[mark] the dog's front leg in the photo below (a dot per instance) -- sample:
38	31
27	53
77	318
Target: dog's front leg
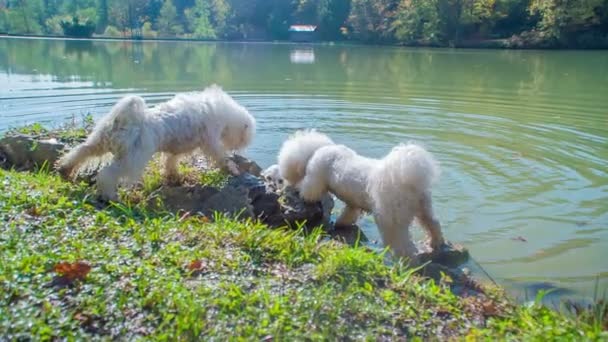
429	222
222	161
107	181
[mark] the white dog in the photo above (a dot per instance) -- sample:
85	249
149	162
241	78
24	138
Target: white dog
272	177
395	189
209	120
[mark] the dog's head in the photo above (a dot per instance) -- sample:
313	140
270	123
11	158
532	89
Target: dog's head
240	125
247	131
272	177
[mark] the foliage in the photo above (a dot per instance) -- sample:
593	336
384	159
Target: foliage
112	31
147	30
102	15
167	20
370	20
53	25
541	23
417	20
199	23
76	29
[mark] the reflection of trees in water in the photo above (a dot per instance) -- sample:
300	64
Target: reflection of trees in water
187	65
78	47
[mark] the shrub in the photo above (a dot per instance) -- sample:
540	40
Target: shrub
147	31
112	31
76	29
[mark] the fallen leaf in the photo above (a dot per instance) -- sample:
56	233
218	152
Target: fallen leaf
68	273
196	267
489	308
83	318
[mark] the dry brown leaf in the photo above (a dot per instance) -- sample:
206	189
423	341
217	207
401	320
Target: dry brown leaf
72	271
197	266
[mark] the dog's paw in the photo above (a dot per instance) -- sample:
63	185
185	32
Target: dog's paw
107	197
173	180
64	172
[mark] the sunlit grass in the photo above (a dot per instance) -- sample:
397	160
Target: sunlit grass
161	276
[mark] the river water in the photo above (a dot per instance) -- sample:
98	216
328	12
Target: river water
522	136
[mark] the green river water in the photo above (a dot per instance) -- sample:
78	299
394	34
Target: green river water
522	136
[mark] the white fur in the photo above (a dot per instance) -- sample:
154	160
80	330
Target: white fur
209	120
395	189
272	176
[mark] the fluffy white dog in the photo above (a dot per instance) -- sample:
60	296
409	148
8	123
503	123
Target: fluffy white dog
395	189
209	121
272	177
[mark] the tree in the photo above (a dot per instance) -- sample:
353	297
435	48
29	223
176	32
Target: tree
220	12
25	16
167	20
198	20
75	28
417	21
102	15
371	19
332	15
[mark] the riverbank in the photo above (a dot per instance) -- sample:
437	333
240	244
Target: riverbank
73	267
526	41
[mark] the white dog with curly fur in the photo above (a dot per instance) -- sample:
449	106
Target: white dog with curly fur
395	189
209	121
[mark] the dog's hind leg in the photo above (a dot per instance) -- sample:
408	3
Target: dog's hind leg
429	222
349	216
396	234
171	173
127	167
69	162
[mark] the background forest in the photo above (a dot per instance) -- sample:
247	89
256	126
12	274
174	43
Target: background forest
515	23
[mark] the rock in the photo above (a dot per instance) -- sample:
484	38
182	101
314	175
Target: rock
246	165
230	201
450	255
268	209
25	153
191	199
254	185
206	200
280	208
350	235
294	209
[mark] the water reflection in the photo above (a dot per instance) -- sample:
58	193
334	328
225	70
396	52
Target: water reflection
302	56
521	135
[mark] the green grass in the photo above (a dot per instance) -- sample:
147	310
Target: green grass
70	132
163	277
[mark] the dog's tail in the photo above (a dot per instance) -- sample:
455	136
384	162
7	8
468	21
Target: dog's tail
409	165
127	111
297	151
124	116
